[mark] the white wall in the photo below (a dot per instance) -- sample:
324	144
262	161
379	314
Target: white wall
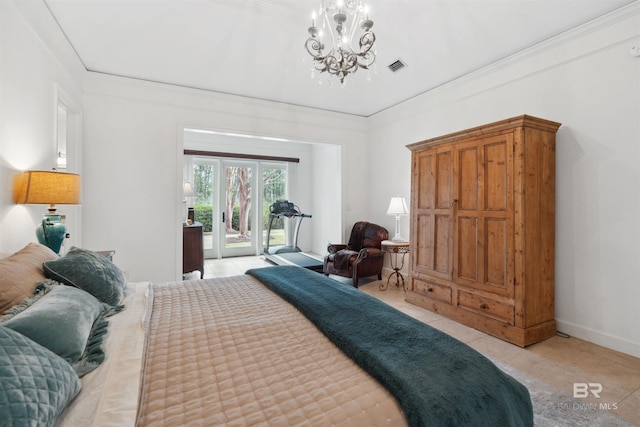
329	219
133	161
588	81
36	68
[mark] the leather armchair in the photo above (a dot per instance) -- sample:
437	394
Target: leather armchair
361	257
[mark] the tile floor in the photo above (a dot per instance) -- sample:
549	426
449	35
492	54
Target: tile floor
558	361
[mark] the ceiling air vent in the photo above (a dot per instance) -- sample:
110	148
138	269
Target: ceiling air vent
397	65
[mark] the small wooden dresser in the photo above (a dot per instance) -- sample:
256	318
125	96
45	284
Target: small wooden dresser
192	249
482	237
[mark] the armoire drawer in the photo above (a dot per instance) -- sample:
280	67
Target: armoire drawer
486	306
433	290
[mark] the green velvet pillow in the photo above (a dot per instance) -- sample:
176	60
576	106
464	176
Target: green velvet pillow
60	321
90	272
35	384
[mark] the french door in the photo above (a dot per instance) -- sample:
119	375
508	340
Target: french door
232	203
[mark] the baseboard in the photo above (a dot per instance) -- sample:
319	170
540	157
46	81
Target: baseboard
605	340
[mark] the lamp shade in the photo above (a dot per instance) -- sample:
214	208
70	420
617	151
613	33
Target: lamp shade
187	190
47	187
397	206
51	188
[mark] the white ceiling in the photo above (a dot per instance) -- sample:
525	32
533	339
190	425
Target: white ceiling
255	48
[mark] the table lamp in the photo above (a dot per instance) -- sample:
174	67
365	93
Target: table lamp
397	207
187	192
52	188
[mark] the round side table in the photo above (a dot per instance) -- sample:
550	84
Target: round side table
395	250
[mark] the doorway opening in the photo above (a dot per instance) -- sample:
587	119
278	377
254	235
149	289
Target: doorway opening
281	169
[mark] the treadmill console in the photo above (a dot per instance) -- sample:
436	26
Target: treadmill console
281	207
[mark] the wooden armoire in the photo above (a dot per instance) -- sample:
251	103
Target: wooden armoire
482	228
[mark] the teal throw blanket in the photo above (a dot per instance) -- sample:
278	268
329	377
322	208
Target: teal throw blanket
437	380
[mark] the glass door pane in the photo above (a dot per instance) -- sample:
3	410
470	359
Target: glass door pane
237	221
206	185
274	187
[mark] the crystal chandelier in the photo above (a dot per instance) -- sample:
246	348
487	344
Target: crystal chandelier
341	18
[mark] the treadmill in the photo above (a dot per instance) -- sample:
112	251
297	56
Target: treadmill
289	253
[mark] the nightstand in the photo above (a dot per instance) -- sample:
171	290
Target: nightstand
395	250
192	249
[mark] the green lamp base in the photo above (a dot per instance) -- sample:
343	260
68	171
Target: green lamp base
52	232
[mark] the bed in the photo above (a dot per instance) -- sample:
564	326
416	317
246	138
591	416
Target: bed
281	346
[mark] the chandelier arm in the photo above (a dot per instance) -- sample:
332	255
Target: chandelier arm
365	61
332	63
314	47
319	65
351	61
366	42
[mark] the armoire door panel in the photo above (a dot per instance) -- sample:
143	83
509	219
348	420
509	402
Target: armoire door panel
424	255
433	251
468	179
425	196
495	176
467	249
443	180
442	242
496	245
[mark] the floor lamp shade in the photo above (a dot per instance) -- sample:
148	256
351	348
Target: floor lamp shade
50	188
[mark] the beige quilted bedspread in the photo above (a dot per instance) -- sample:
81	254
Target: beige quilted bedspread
230	352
